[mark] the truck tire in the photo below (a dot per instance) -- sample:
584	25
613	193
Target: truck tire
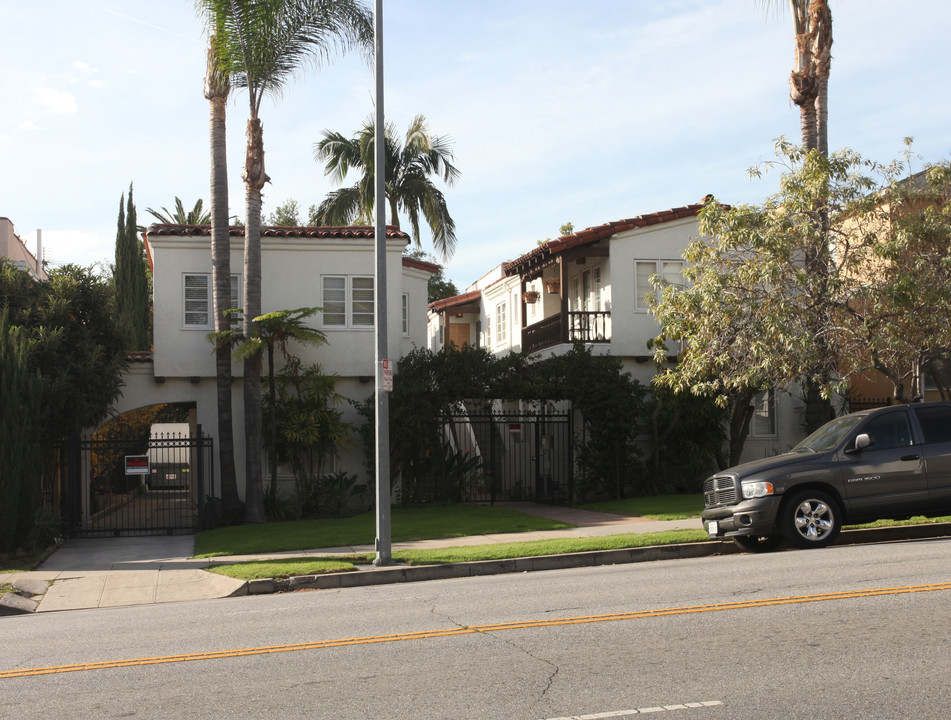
810	519
758	543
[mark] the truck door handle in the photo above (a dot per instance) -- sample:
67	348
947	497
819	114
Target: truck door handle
909	457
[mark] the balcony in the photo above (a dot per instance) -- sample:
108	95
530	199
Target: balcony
586	326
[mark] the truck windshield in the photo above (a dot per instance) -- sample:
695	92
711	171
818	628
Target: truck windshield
829	435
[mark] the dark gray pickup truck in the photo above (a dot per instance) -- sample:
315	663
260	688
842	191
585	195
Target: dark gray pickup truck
892	462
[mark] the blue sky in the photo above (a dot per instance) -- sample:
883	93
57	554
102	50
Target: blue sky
558	110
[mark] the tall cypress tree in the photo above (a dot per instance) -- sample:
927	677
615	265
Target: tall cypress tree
131	279
21	389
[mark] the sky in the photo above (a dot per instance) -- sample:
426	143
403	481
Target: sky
558	111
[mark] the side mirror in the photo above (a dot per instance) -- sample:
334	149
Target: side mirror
862	441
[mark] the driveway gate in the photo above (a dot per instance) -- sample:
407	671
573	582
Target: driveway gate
135	487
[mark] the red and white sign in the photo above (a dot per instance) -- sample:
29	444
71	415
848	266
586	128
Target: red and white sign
386	376
136	464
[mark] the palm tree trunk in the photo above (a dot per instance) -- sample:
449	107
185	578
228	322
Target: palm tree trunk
254	178
216	91
820	26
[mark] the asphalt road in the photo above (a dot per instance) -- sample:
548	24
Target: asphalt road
847	632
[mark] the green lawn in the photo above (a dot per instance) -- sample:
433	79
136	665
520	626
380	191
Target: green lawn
657	507
501	551
418	523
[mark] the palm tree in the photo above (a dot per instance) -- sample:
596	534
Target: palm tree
216	88
409	165
195	216
809	80
277	329
261	44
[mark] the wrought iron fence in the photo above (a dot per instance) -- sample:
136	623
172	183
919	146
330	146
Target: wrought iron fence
164	485
498	457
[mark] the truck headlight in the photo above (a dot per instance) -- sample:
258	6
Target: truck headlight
756	489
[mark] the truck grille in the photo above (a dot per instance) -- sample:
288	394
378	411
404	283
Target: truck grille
719	490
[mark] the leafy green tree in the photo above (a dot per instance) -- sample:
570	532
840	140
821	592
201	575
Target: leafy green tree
310	429
612	405
21	388
132	279
61	362
754	316
276	331
439	286
410	163
261	44
196	216
286	215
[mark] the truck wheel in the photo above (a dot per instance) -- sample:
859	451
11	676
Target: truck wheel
810	519
758	543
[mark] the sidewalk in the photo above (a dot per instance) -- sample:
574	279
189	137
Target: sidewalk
113	572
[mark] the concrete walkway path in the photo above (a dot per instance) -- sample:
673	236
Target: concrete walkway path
113	572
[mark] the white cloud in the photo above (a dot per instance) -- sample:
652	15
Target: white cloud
56	101
84	68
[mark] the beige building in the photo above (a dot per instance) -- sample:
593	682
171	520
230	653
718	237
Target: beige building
12	247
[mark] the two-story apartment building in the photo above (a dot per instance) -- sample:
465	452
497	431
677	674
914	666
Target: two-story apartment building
328	267
593	286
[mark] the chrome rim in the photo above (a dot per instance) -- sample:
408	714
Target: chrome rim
814	520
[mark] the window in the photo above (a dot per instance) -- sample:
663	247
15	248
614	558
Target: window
591	291
763	422
348	301
501	325
890	430
936	422
405	314
671	271
488	331
198	301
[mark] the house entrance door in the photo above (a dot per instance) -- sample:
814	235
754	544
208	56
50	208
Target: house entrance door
459	334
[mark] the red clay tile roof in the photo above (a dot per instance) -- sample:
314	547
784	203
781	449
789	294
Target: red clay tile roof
455	301
351	231
420	265
538	257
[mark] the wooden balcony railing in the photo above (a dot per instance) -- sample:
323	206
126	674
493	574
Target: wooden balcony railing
583	326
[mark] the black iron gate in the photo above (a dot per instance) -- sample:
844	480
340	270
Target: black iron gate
164	485
514	456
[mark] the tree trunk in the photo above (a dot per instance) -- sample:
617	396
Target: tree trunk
254	178
820	26
216	91
740	417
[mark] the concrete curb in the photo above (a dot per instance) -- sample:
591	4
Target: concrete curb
420	573
25	598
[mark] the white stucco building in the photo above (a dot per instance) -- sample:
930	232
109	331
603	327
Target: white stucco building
591	286
331	268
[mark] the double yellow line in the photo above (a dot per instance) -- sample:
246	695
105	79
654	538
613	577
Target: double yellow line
498	627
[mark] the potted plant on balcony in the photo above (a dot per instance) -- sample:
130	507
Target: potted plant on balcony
552	285
531	296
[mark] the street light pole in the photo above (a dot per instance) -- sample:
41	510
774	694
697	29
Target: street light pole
383	533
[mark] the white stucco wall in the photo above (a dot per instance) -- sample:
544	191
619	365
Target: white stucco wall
291	270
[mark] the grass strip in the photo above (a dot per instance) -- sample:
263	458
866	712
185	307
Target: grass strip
286	567
655	507
289	567
414	523
561	546
917	520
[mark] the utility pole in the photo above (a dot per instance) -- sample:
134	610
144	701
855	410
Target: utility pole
383	533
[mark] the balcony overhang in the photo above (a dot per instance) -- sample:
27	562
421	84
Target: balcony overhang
469	302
